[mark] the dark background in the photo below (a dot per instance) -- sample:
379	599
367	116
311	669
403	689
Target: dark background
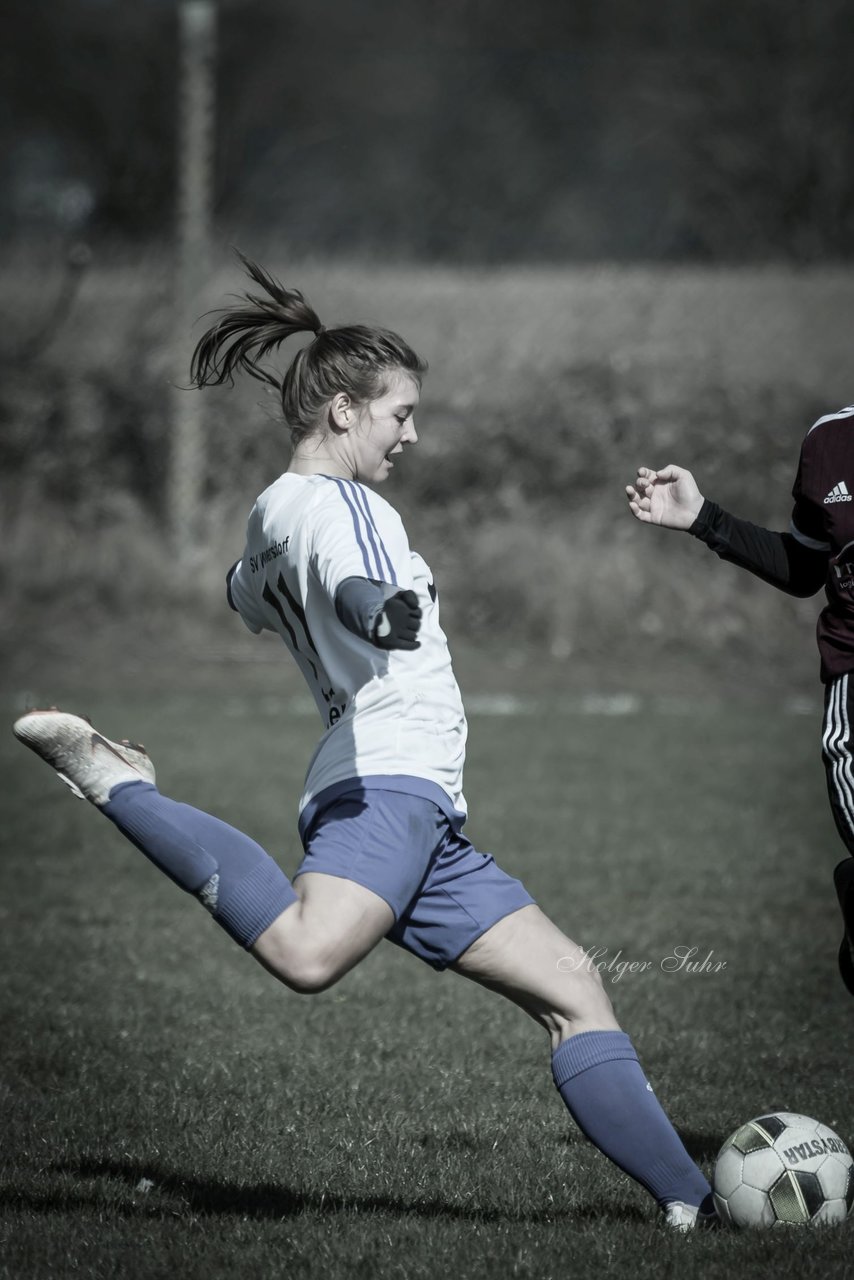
459	130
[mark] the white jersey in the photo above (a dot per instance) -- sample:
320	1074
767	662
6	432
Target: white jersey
388	714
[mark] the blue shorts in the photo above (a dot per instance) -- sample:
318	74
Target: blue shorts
407	850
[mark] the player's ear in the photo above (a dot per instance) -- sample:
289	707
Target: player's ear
341	411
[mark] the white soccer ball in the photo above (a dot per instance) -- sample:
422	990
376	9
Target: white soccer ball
783	1169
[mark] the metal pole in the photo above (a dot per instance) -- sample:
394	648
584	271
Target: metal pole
197	24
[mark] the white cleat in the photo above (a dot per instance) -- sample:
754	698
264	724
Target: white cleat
90	764
688	1217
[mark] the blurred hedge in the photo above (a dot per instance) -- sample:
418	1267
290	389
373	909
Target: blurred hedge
546	389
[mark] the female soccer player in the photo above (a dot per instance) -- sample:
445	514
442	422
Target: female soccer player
328	567
818	552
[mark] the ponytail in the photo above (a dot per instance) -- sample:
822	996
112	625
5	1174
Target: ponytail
243	335
353	358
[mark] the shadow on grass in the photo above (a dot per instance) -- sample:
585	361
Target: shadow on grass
701	1146
208	1197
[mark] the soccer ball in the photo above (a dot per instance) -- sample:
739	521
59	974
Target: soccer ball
783	1169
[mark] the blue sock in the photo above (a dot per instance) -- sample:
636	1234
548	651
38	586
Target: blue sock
231	875
601	1082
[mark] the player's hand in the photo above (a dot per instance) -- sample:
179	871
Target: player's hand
399	622
669	497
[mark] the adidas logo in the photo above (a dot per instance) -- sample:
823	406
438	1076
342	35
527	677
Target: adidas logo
839	493
208	895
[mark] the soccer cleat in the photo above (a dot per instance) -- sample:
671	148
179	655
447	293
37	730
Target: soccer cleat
688	1217
843	878
90	764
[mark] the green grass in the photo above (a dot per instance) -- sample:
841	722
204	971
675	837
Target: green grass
404	1124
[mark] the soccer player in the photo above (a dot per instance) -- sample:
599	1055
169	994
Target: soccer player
328	567
818	552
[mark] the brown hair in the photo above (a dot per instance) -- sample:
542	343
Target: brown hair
352	358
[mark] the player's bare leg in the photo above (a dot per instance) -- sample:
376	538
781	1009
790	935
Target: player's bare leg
308	936
526	958
333	925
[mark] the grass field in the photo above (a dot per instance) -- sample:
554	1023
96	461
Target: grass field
168	1110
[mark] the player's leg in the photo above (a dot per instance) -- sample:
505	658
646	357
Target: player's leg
843	879
471	916
526	958
307	937
333	925
839	767
308	934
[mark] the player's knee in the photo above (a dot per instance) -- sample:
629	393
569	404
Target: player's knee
309	980
310	971
301	964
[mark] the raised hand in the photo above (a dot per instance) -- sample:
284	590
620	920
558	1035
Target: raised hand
669	497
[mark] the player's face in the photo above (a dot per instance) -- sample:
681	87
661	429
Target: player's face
383	427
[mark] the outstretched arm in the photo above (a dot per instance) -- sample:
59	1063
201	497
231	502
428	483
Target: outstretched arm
671	498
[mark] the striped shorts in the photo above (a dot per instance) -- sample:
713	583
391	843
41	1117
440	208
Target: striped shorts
837	752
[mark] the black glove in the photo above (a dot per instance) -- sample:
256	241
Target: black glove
398	623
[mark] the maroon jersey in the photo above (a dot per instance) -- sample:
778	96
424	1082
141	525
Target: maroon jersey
823	519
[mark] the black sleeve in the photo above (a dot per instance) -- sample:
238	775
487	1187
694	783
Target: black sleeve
229	597
777	558
385	616
359	603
